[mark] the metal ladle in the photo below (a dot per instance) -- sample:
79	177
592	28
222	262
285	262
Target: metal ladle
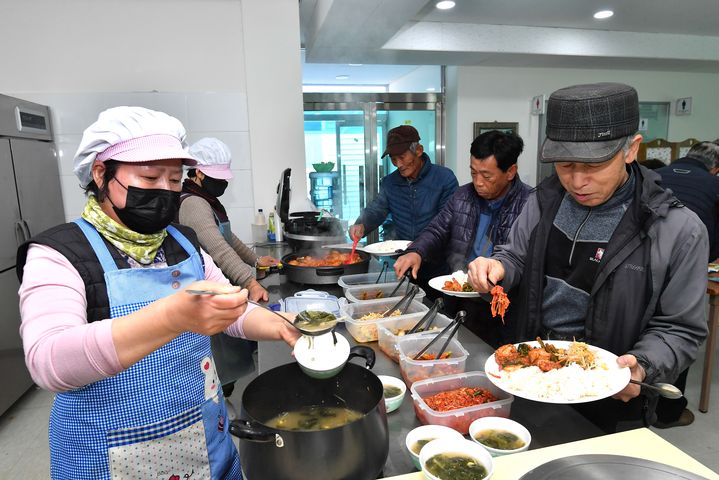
666	390
311	333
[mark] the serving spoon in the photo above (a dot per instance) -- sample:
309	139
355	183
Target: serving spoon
666	390
309	331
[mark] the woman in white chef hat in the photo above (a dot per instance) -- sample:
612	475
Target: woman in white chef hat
107	324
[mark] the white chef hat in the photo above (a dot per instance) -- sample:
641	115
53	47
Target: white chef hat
213	158
130	134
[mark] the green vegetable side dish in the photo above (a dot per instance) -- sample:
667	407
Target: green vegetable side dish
419	444
454	466
499	439
391	391
313	320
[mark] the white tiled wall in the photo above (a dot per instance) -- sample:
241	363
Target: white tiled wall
222	115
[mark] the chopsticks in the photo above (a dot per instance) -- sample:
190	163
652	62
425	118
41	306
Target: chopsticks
454	326
404	302
428	317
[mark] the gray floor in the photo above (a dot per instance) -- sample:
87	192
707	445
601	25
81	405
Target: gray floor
24	450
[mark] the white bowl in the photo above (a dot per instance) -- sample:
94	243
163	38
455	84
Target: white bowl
500	423
393	403
426	432
462	447
324	358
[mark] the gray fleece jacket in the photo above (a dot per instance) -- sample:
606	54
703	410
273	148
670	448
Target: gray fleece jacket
647	295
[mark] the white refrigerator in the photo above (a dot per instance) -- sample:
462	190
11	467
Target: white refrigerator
30	202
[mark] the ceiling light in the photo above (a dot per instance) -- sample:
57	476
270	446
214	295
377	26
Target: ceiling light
445	4
342	77
354	64
602	14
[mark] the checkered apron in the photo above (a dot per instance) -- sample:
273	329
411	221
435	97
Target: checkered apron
162	418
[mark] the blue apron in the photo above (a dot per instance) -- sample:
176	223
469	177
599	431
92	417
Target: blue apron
162	418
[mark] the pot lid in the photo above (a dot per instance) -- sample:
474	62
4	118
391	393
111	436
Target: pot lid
312	300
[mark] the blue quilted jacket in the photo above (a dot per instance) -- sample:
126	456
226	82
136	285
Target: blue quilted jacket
411	203
451	233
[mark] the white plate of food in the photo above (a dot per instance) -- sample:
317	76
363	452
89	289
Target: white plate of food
585	374
388	248
456	284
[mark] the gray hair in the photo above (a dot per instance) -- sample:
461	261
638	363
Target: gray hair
627	144
705	152
413	147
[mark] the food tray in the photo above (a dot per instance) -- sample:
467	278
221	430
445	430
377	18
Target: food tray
355	294
461	418
388	340
366	330
416	370
346	281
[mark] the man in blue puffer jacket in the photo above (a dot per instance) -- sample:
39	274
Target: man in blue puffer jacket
413	194
477	217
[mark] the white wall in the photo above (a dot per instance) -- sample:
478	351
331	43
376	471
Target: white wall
487	94
193	60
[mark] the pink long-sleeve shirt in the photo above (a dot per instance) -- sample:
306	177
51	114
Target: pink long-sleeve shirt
62	351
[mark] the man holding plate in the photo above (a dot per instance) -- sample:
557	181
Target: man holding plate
602	254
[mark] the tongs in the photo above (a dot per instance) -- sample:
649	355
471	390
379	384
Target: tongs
454	326
428	317
385	267
403	303
399	284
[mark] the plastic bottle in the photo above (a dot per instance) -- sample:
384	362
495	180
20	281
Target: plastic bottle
271	227
259	227
279	235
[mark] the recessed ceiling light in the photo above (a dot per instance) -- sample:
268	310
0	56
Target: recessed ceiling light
354	64
445	4
602	14
342	77
431	89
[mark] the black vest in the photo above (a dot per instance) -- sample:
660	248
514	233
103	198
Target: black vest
71	243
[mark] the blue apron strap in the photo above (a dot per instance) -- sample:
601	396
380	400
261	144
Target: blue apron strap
98	245
182	240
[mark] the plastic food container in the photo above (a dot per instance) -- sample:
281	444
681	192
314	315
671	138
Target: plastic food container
461	418
312	300
388	340
364	293
366	330
346	281
416	370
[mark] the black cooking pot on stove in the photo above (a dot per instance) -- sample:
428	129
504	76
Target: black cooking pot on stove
322	275
355	451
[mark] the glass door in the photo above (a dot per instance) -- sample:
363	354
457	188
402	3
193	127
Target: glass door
344	137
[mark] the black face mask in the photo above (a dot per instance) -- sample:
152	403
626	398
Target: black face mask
214	186
148	210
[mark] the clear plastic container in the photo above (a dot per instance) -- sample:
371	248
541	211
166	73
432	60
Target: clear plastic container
363	293
366	330
461	418
346	281
389	332
416	370
313	300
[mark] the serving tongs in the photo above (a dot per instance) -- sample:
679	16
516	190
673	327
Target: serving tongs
383	271
428	317
451	328
403	303
399	284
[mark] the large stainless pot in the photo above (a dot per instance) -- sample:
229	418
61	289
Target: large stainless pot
321	275
356	451
308	230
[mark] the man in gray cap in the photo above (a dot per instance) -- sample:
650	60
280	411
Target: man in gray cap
626	270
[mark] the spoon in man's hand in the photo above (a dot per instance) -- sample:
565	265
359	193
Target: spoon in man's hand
666	390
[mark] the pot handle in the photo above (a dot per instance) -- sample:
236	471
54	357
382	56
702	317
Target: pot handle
254	432
364	352
330	272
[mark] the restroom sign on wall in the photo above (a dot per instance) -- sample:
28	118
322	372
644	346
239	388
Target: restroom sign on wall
683	106
538	105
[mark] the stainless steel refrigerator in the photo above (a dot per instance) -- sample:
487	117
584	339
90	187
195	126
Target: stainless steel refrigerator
30	202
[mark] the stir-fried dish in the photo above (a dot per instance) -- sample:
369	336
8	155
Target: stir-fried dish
313	320
459	398
433	356
455	466
333	259
547	357
500	301
376	315
371	295
454	286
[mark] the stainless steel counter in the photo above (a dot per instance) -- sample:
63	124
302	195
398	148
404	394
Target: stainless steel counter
549	424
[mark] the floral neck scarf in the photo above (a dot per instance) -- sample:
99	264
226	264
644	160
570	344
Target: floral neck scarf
138	246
